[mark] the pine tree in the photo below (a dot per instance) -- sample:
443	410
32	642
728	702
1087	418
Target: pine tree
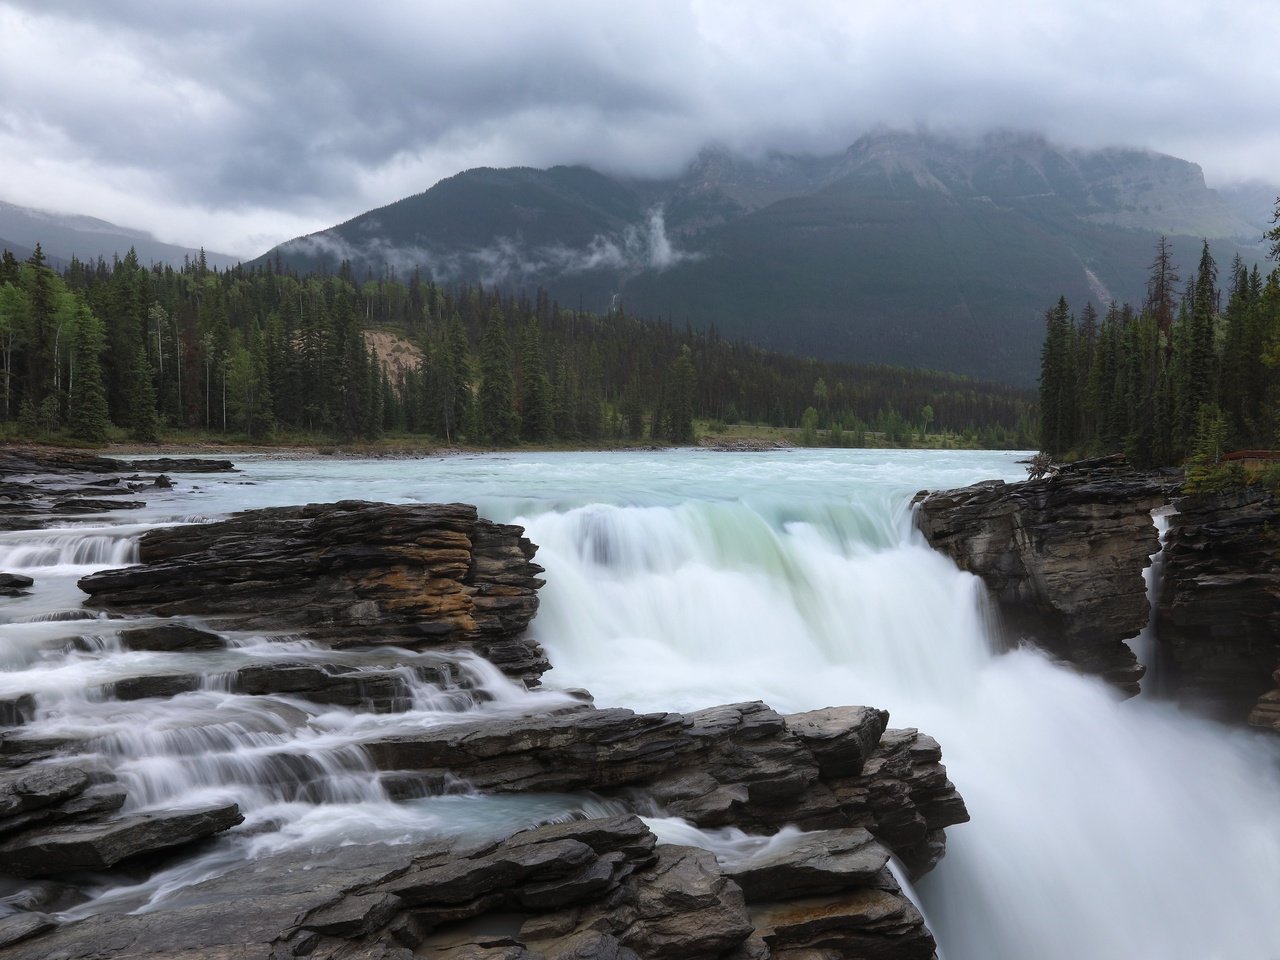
1059	405
536	416
683	384
88	414
498	418
144	421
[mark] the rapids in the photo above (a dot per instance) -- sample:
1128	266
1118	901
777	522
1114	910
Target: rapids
1101	828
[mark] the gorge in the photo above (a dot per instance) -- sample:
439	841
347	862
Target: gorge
676	582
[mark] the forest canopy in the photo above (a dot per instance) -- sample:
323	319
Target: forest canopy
1192	374
260	352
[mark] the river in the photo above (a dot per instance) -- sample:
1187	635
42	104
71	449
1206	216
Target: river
1101	828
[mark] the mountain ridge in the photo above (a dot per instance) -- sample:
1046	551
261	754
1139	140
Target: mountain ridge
62	236
907	248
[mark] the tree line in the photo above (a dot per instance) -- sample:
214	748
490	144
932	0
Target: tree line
260	351
1192	374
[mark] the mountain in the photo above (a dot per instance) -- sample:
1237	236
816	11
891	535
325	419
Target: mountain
62	236
907	249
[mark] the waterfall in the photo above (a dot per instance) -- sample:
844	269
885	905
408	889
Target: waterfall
1101	828
1146	645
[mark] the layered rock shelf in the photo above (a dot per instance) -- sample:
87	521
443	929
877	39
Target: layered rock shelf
38	484
357	609
422	576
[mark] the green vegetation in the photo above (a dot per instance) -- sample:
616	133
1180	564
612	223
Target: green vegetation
108	351
1185	380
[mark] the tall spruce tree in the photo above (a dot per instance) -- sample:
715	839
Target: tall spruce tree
498	418
88	409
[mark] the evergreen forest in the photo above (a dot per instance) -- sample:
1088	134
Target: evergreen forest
1191	375
104	349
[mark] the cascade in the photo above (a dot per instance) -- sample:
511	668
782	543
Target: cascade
1101	828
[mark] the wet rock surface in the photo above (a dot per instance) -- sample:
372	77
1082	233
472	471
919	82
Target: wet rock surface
1062	556
421	576
1219	607
592	888
39	484
375	604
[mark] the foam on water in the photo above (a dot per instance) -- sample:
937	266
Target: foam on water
1101	828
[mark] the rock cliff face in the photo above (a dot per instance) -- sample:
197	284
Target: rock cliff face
1219	611
424	576
1063	556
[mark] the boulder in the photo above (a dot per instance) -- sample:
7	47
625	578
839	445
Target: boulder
1062	556
14	584
817	863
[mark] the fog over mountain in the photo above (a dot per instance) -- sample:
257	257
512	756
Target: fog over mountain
238	125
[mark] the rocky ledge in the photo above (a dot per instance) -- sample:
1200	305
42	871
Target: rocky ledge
407	596
348	574
587	888
38	484
1219	609
1062	556
596	888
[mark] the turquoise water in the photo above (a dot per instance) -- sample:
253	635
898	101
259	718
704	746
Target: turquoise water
1101	828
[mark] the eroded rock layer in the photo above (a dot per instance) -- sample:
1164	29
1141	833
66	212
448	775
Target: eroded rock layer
1219	609
347	574
595	888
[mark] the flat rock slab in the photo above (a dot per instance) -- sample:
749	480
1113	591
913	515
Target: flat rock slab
96	846
170	637
818	863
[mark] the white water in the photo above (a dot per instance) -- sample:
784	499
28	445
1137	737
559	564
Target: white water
1101	829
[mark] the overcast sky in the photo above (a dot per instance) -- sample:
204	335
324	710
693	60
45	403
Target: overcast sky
239	124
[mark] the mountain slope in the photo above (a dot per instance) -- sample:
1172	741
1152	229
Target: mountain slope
62	236
906	249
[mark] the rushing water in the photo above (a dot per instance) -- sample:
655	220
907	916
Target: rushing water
1101	828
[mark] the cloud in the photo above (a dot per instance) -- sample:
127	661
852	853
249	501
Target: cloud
636	248
240	123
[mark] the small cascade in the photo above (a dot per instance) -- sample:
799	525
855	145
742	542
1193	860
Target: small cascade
1146	645
67	552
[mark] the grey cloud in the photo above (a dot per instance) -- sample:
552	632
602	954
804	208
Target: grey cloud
322	110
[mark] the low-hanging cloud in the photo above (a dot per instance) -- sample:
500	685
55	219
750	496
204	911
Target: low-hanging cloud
246	118
636	248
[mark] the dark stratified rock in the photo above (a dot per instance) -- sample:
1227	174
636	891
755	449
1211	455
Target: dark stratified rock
96	846
423	576
869	923
738	764
1063	556
169	637
163	465
813	864
1219	609
14	584
591	888
38	484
